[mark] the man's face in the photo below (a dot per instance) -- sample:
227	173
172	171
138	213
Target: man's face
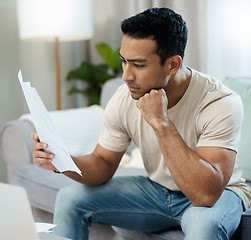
142	70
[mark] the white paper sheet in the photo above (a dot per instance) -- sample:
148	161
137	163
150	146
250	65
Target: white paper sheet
46	129
44	227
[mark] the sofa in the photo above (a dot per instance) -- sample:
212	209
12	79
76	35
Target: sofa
42	186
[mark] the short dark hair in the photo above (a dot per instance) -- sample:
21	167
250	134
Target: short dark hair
164	26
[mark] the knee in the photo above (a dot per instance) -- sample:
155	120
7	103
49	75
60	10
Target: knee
197	224
76	196
65	196
68	214
63	204
68	198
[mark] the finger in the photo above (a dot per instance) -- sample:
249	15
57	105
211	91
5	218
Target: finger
39	146
164	94
42	163
163	91
34	136
154	91
39	161
44	155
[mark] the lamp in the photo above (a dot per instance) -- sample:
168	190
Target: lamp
55	20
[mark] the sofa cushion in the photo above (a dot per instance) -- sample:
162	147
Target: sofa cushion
41	185
175	234
246	225
242	86
81	135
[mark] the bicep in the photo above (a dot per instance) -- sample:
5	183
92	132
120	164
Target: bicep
111	158
221	159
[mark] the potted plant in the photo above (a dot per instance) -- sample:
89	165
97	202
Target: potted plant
95	75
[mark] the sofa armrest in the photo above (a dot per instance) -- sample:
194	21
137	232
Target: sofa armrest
16	144
246	225
108	89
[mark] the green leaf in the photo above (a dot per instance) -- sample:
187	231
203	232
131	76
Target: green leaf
84	71
74	90
107	54
118	68
95	75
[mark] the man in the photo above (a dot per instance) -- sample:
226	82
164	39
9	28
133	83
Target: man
187	127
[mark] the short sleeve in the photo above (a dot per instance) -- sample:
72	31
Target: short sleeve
113	136
219	124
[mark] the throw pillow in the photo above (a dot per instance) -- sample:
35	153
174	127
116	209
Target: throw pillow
242	86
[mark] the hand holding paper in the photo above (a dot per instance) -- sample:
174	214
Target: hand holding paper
46	129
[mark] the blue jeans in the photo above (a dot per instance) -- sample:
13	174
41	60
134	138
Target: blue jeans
137	203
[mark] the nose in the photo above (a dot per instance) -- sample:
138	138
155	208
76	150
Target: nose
128	74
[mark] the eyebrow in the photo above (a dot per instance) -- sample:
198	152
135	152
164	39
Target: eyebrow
134	60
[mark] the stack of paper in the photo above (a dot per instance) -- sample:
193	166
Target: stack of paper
46	129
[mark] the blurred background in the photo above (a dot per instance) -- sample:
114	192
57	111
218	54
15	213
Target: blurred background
219	44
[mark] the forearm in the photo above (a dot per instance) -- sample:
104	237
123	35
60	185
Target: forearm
198	179
95	171
96	168
201	175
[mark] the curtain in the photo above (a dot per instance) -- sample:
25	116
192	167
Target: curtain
228	38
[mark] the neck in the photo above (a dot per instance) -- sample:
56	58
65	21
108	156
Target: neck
177	86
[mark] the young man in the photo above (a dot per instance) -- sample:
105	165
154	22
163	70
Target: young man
187	127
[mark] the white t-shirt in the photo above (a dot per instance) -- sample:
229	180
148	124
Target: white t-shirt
208	114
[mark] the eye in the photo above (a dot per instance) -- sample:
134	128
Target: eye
138	65
122	60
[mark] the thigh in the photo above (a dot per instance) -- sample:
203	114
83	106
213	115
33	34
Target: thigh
217	222
134	203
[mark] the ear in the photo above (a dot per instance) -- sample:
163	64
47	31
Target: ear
173	64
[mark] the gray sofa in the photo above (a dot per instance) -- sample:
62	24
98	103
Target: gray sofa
42	186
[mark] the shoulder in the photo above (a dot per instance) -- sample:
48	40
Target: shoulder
213	93
226	108
220	117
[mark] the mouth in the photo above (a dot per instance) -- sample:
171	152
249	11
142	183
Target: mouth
132	88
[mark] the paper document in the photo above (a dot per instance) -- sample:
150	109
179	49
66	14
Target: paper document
44	227
46	129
